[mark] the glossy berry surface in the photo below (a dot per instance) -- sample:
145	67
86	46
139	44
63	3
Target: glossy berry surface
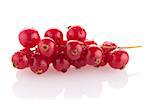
29	38
94	55
47	47
38	64
20	60
55	34
74	49
104	60
118	59
61	49
89	42
76	33
61	63
112	46
81	62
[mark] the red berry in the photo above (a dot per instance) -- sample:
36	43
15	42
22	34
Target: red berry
20	60
79	62
55	34
118	59
89	42
112	46
61	63
104	60
94	55
61	49
29	38
74	49
38	65
47	47
76	33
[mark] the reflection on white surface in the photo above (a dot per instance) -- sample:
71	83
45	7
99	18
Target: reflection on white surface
74	84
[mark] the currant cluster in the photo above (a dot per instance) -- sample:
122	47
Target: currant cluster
38	53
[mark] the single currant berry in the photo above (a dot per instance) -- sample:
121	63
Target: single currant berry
61	63
94	55
108	47
20	60
118	59
104	59
79	62
89	42
29	38
55	34
74	49
47	47
38	64
76	33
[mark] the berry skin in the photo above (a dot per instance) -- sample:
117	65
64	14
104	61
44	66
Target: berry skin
38	64
55	34
118	59
61	63
79	62
74	49
104	60
47	47
76	33
109	44
89	42
29	38
20	60
94	55
61	49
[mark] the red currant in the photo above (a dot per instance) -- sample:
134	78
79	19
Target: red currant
74	49
20	60
29	38
47	47
104	59
112	46
55	34
89	42
79	62
61	63
76	33
38	64
118	59
94	55
61	48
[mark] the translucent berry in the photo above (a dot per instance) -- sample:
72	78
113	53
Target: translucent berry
55	34
38	64
76	33
61	63
79	62
104	59
89	42
108	46
29	38
74	49
118	59
20	60
94	55
47	47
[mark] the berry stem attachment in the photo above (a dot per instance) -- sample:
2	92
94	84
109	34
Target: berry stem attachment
126	47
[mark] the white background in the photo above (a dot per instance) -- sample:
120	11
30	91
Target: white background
125	22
